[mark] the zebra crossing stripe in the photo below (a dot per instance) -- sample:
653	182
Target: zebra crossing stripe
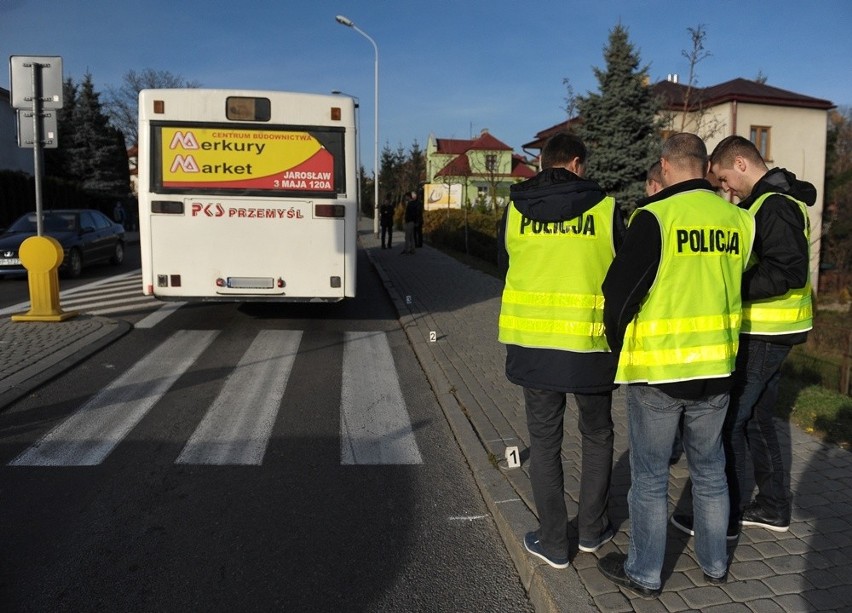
93	431
237	427
374	424
159	315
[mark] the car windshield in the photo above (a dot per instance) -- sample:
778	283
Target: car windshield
53	222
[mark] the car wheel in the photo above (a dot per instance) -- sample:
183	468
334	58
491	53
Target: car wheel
118	255
75	264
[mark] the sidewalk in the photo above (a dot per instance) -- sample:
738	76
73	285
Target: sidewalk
808	568
32	353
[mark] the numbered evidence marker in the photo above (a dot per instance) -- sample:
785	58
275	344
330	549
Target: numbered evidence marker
408	300
513	457
433	336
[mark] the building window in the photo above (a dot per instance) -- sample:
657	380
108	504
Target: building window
759	135
491	162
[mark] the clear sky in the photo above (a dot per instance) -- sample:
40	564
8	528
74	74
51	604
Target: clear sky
446	67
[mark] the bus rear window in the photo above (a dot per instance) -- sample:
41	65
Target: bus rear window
241	108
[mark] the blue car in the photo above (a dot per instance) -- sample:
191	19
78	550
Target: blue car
87	237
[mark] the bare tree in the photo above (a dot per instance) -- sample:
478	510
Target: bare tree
694	56
122	103
692	108
570	107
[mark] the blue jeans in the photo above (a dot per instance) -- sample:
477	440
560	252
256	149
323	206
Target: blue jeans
750	429
545	417
653	418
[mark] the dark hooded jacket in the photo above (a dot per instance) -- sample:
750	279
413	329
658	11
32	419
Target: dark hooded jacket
780	243
554	195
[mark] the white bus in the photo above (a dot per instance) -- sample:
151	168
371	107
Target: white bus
247	195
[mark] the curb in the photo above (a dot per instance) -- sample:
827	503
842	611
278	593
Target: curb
41	371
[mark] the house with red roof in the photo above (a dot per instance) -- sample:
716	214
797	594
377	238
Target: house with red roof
788	128
470	172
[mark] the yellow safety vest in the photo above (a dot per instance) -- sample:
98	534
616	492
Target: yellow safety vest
688	325
552	298
787	314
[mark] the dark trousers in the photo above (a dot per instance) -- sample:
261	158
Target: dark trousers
545	416
418	234
749	432
389	231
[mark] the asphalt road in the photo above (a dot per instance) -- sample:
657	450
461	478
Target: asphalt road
347	507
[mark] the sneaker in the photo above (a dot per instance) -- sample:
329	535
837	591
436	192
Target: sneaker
593	545
684	524
612	567
755	515
533	545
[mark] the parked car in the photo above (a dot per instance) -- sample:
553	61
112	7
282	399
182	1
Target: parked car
87	237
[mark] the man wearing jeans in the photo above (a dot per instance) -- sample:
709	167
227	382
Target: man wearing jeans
560	233
777	314
672	304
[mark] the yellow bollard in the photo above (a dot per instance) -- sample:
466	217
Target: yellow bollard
41	256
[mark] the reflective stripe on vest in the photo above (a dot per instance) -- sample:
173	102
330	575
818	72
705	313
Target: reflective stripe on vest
787	314
688	325
552	298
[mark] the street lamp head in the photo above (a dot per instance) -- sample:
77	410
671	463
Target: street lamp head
344	21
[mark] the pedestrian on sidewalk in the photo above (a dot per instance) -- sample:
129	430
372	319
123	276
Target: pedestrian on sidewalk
412	211
418	221
386	212
559	235
679	349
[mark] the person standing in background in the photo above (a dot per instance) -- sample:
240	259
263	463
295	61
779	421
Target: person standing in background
386	212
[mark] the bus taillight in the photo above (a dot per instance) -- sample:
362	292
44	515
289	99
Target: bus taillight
329	210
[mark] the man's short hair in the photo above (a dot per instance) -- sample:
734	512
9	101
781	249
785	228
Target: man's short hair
685	150
655	173
561	149
731	147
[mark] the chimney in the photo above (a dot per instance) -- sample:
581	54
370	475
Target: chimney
672	78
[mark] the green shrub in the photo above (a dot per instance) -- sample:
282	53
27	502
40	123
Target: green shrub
447	228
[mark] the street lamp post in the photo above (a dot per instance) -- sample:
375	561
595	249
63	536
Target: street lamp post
349	24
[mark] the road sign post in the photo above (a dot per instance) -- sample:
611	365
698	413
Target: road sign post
37	95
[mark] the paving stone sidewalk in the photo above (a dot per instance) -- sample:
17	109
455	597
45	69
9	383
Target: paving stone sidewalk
449	312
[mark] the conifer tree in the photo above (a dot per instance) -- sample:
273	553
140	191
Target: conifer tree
618	123
96	153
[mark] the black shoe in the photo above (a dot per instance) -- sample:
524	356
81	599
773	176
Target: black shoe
533	545
755	515
612	567
716	580
684	524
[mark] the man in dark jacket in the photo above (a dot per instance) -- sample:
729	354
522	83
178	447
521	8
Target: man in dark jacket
558	237
412	214
777	314
673	311
386	212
